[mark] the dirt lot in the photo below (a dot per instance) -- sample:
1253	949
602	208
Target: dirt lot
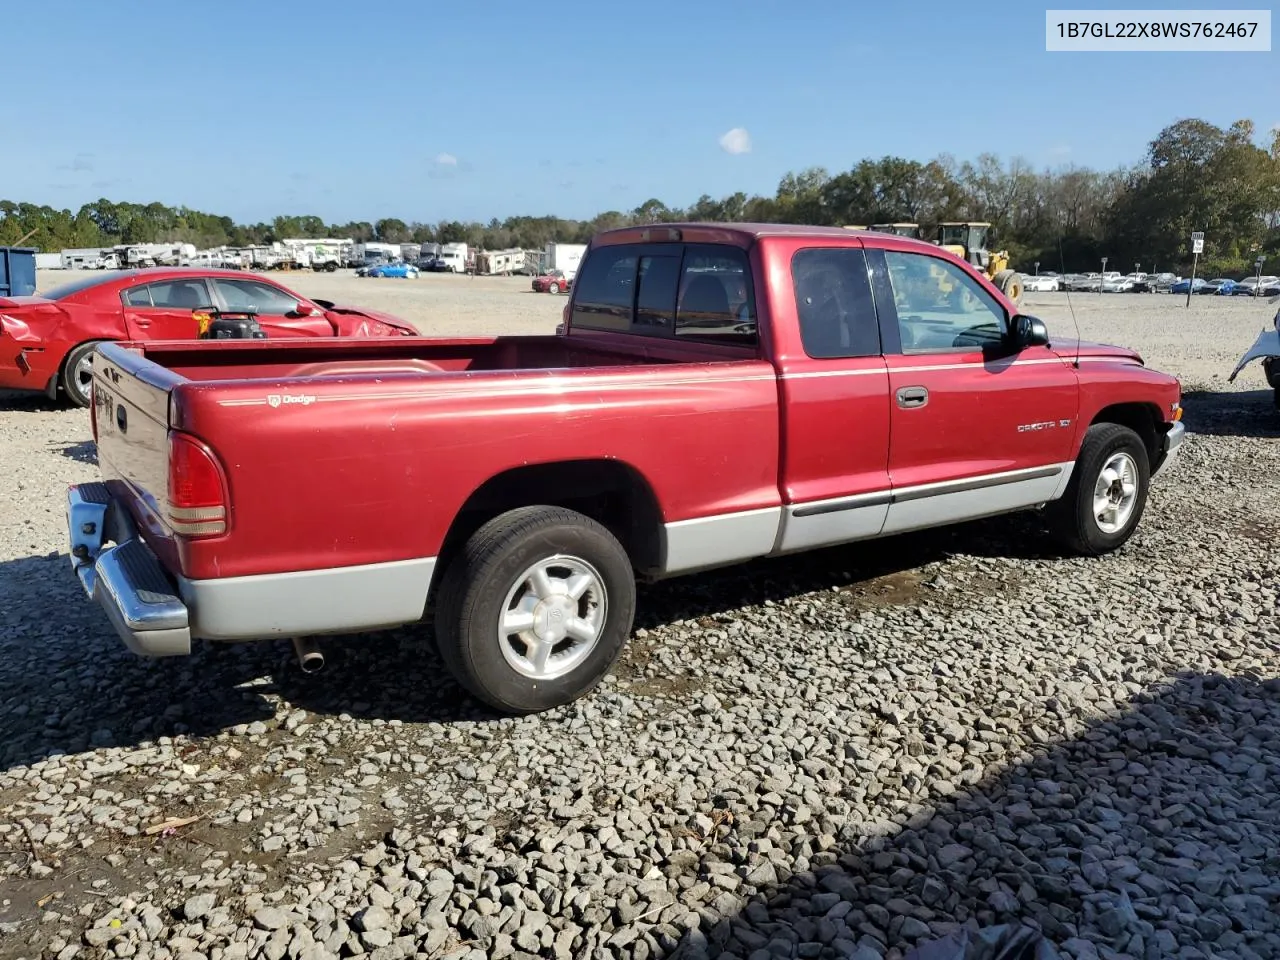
836	755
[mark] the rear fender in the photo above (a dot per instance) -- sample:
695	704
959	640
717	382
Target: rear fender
1267	345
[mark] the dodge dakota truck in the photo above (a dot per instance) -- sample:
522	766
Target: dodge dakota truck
717	393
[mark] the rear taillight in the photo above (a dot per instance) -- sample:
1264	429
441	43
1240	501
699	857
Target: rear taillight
197	500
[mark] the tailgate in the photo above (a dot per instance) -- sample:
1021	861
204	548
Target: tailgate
131	426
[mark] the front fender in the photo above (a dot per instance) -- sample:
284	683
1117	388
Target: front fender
1267	345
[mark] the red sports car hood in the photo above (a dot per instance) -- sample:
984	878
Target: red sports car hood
359	322
1070	349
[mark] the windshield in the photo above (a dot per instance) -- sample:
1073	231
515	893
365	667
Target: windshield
75	286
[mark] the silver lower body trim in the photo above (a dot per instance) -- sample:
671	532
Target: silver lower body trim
309	602
732	538
715	541
158	615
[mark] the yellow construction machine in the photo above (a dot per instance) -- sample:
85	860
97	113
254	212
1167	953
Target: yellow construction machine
969	242
911	230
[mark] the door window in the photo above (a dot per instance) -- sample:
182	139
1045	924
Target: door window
255	296
940	306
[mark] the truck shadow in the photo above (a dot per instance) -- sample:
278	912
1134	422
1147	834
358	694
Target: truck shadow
1231	413
68	685
1154	829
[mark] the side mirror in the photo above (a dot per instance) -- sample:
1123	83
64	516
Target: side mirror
1029	332
304	310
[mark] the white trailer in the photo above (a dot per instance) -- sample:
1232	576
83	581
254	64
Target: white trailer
83	258
500	262
564	257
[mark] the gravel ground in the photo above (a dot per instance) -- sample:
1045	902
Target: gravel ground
834	755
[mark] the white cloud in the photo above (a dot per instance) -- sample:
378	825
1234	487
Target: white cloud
446	160
736	141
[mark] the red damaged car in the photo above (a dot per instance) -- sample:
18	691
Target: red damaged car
552	282
47	341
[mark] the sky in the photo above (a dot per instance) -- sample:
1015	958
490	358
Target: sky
456	110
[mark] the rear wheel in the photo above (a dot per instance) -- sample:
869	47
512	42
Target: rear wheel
1107	493
535	609
553	288
77	374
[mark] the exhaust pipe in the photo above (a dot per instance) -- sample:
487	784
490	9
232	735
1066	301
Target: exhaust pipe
310	657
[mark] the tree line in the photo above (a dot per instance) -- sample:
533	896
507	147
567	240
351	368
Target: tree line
1194	176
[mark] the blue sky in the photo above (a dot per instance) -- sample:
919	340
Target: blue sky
443	110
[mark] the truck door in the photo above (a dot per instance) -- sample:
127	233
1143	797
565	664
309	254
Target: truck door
163	310
835	400
978	427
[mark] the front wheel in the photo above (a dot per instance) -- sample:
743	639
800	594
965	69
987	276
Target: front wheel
1107	493
535	609
1010	284
77	374
554	288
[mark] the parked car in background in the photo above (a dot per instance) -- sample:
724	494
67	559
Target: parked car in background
437	265
1116	284
848	416
1162	282
1222	286
1086	282
397	269
552	282
1044	283
47	341
1252	286
1194	286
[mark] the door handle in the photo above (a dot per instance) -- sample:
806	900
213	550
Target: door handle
139	322
910	397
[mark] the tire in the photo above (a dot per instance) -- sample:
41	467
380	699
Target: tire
1010	284
1076	520
491	579
77	374
553	288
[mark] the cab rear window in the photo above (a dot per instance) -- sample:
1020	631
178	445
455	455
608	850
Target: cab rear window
690	291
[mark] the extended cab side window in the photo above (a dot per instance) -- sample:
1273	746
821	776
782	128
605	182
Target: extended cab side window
604	289
833	303
716	301
940	306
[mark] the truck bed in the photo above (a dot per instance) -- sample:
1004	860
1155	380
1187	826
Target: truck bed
274	360
361	453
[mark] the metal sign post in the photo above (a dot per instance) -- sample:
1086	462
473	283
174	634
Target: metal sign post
1037	268
1197	248
1258	275
1102	279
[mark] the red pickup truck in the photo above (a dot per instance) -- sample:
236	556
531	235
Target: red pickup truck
717	393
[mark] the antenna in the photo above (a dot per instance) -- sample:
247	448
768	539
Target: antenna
1066	288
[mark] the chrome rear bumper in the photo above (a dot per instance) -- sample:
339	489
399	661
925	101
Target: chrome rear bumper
125	578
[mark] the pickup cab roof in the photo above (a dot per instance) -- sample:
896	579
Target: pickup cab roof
745	234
